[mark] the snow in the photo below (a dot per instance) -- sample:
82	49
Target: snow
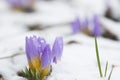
79	60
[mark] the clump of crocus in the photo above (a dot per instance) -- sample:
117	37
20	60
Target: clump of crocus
22	5
86	27
40	56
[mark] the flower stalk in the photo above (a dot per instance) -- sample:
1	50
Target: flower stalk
98	58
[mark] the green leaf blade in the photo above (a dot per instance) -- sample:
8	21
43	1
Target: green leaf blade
98	58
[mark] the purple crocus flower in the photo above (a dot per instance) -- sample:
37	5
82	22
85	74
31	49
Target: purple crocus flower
97	27
76	25
39	53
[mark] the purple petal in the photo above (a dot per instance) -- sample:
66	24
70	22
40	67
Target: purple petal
42	43
46	57
34	46
28	48
55	60
76	26
97	28
31	48
57	48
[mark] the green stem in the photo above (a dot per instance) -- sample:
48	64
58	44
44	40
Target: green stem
106	68
98	59
111	72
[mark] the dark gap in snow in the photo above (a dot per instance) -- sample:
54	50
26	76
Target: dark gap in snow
72	42
109	35
28	10
109	15
21	74
35	27
42	27
1	77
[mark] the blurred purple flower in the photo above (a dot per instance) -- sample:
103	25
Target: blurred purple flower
76	24
19	3
97	31
57	49
39	53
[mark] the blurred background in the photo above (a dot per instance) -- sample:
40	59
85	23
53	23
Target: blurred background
19	16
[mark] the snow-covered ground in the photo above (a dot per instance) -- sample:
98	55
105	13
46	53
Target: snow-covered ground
79	59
